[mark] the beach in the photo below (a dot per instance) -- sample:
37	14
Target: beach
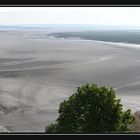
38	72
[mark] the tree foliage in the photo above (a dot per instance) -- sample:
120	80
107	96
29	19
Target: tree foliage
92	109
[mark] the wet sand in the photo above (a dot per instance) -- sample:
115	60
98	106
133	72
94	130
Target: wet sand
38	72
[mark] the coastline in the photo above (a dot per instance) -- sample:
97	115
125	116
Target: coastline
38	73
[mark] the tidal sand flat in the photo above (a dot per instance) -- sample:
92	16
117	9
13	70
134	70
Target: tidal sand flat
37	72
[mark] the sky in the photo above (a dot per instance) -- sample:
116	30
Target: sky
120	16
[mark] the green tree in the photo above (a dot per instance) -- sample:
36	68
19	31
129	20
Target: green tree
92	109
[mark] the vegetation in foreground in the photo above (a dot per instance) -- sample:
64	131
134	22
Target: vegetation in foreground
92	109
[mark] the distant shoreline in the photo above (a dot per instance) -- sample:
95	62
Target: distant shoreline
127	37
121	44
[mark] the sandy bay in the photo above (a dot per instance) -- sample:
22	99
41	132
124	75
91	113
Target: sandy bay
38	72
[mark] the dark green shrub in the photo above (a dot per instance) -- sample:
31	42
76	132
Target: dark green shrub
92	109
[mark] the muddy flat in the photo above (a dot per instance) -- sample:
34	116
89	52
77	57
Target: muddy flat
37	72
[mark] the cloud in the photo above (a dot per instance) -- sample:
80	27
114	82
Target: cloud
70	15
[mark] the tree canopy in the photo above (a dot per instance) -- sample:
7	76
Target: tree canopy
92	109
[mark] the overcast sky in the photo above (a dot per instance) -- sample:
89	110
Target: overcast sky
71	15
